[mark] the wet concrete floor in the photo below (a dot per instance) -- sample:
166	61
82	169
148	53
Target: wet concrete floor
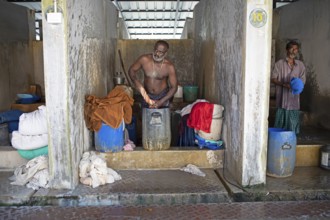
173	194
246	210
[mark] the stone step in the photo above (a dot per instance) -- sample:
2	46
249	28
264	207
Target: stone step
308	155
10	159
174	158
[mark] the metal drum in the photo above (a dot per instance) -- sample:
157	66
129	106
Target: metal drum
156	129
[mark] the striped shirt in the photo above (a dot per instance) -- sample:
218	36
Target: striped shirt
283	73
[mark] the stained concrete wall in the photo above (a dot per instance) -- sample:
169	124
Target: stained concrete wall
231	73
79	58
38	65
122	30
188	31
16	23
16	71
16	52
308	22
181	54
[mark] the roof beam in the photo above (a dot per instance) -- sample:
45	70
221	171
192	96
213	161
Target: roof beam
23	0
176	17
154	33
152	19
156	1
155	11
148	27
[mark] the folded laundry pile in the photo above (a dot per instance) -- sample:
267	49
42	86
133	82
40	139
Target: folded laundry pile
206	121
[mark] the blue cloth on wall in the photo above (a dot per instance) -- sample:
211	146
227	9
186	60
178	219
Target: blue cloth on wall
11	115
12	126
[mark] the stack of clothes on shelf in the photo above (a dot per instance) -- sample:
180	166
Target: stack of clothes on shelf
9	121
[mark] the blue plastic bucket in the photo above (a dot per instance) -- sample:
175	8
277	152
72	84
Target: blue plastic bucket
109	139
281	154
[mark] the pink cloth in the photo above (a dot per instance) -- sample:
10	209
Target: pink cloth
129	146
200	117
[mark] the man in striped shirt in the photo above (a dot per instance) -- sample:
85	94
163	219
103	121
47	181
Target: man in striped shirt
287	101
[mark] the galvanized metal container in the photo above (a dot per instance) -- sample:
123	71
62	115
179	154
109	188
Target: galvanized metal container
156	129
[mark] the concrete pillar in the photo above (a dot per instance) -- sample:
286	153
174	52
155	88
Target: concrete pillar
79	60
256	90
232	67
56	91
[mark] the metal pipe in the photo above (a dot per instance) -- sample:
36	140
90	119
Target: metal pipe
55	6
122	15
176	18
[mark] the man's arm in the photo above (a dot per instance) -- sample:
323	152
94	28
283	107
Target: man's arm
277	82
275	75
134	68
302	75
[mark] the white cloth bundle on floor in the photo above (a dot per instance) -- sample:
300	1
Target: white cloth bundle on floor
34	173
33	123
28	142
93	171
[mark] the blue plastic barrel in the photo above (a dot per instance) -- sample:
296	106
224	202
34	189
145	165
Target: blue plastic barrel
109	139
131	128
281	155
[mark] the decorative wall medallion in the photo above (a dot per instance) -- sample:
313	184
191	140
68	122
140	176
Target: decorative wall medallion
258	17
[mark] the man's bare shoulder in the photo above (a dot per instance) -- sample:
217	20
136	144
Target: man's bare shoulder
168	62
145	58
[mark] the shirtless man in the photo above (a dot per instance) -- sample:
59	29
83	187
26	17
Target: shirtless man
160	81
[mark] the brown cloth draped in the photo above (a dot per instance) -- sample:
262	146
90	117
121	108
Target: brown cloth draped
111	110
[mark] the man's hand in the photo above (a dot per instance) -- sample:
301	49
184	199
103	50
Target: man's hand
157	104
286	85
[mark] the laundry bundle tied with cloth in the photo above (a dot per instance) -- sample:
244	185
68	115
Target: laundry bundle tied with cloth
111	110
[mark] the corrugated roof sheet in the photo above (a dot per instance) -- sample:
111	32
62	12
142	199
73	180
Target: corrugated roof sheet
147	19
155	19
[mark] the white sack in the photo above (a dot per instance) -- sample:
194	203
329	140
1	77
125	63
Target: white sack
28	142
33	123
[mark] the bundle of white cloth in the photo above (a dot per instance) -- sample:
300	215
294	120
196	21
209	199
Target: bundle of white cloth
34	174
93	170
